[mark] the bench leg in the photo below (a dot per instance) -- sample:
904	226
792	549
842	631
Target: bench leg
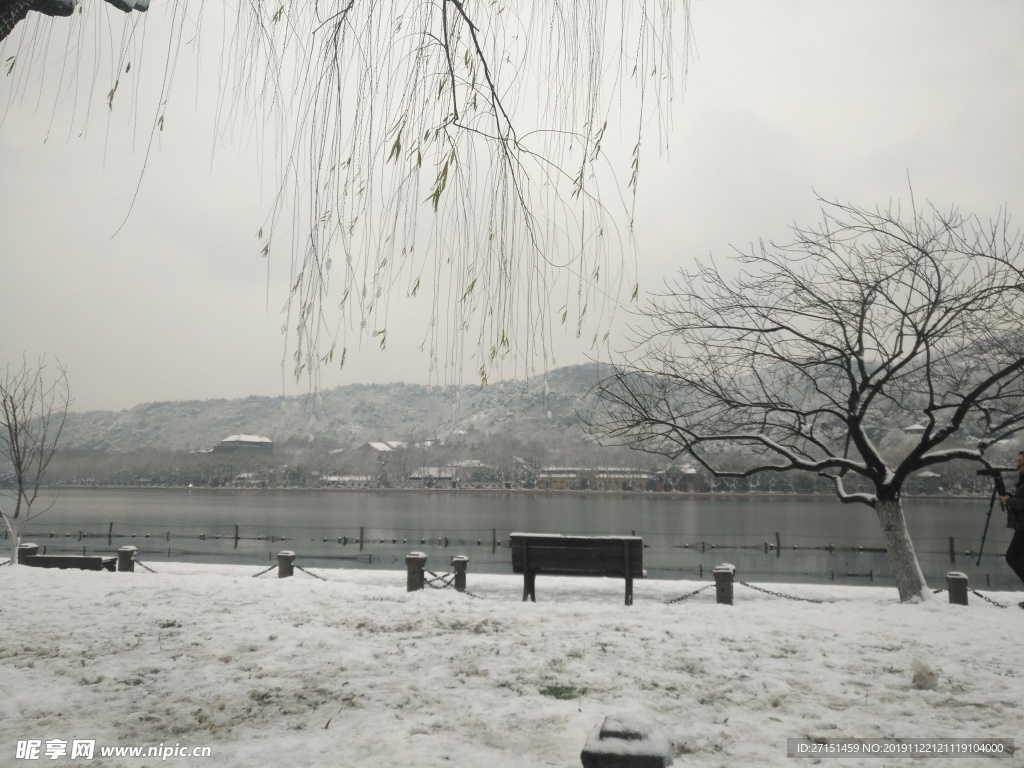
629	590
529	579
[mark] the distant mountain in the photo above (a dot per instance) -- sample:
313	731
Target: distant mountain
348	415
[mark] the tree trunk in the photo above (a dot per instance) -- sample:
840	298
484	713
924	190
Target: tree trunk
905	568
15	540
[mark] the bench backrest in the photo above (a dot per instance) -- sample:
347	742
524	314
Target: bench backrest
578	555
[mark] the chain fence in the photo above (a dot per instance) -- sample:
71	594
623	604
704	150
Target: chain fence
990	600
447	581
310	573
764	558
675	600
773	593
780	594
444	580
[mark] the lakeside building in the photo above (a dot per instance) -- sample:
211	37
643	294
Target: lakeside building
348	481
381	446
433	477
558	480
249	480
245	443
623	480
683	478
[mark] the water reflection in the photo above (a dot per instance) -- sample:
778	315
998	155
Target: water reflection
768	538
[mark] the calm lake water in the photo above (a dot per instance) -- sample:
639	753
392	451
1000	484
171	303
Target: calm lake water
684	536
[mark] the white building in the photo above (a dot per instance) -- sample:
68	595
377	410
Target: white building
253	443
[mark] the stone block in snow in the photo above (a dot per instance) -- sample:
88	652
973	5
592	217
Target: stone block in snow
627	741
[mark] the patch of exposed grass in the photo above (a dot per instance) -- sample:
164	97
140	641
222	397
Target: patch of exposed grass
563	692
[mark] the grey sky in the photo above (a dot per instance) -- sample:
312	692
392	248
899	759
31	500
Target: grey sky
782	98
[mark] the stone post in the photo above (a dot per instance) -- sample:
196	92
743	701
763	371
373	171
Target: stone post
724	575
414	564
285	564
126	558
27	550
956	583
459	564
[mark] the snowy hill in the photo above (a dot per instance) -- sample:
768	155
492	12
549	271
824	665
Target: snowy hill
346	415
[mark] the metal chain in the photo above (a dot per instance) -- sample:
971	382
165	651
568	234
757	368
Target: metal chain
314	575
266	570
779	594
988	599
145	566
687	597
5	562
447	580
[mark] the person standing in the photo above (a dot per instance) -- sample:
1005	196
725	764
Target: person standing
1014	506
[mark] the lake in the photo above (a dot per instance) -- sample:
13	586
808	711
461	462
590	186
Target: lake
685	536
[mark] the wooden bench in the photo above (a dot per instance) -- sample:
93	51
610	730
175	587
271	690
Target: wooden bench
28	555
558	555
81	562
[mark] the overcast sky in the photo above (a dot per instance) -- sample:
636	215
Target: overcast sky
782	98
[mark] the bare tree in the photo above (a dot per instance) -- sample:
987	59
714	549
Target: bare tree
804	354
33	408
439	147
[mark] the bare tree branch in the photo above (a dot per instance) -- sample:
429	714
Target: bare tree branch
33	409
809	355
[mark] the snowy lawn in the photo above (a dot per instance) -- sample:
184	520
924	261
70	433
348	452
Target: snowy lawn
355	671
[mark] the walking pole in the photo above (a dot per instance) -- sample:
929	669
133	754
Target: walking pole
998	489
988	519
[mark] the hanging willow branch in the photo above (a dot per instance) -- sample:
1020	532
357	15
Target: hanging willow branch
437	147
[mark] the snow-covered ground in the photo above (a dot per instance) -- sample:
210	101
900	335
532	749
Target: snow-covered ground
355	671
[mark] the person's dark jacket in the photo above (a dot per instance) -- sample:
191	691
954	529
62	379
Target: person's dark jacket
1015	507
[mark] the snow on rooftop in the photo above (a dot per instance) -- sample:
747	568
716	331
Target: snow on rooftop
385	446
246	439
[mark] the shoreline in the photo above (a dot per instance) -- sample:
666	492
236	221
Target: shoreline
580	492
